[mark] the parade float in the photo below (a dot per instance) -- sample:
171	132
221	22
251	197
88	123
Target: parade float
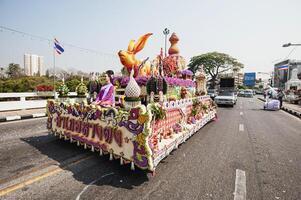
158	104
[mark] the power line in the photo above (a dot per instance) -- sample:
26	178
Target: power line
51	40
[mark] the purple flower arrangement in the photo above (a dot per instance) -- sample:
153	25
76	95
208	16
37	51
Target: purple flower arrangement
142	80
179	82
177	128
187	72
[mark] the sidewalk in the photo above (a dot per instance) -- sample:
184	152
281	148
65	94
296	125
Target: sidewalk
293	109
22	114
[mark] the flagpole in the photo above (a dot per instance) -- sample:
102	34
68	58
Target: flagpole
54	93
288	72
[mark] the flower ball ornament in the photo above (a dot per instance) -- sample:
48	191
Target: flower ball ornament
81	89
63	90
132	93
132	89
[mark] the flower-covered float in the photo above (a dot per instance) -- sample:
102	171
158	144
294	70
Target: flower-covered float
157	106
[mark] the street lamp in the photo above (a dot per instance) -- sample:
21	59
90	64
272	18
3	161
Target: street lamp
290	44
165	32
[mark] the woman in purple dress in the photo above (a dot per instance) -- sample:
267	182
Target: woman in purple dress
106	95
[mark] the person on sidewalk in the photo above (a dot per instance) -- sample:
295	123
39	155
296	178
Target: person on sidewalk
280	96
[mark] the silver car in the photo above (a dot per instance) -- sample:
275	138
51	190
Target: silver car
225	98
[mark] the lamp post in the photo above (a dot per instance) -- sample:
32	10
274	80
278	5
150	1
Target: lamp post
165	32
290	44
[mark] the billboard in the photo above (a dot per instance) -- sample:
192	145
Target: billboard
249	79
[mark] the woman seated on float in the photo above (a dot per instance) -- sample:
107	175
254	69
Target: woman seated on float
106	95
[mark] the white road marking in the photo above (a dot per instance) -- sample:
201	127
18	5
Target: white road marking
9	118
241	127
39	114
23	121
240	192
241	113
85	188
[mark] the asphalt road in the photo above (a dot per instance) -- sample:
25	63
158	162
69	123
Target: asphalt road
265	145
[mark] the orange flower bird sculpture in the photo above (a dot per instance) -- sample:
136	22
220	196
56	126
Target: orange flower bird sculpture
128	57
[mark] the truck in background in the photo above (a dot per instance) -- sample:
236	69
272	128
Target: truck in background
227	92
226	84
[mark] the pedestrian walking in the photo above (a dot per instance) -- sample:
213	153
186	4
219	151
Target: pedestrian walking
280	96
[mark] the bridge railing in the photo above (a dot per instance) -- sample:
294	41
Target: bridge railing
25	100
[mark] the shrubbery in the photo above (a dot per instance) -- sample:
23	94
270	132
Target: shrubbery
33	83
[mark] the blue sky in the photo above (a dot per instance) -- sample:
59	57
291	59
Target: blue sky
251	31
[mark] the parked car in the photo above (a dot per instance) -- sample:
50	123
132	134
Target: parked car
212	93
241	93
249	93
258	92
225	98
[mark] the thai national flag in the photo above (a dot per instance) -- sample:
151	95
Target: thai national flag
57	46
283	67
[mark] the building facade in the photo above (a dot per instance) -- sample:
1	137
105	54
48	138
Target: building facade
34	65
280	77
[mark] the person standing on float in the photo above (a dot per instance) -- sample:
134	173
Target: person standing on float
106	95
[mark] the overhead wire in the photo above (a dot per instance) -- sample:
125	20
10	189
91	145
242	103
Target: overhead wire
41	38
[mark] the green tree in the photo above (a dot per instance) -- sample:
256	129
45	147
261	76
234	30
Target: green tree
47	74
72	84
213	64
2	72
14	70
242	87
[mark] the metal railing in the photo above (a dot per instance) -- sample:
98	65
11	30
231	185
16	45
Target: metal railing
25	100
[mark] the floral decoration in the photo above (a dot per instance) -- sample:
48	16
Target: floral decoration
44	88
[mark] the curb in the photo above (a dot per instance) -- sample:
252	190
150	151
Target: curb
22	117
293	112
290	111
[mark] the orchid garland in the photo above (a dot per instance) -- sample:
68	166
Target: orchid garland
142	80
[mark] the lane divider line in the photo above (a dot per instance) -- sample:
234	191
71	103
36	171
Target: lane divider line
32	180
85	188
240	192
241	113
241	127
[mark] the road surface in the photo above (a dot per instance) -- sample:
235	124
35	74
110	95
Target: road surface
247	151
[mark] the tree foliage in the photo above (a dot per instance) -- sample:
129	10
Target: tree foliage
213	64
14	71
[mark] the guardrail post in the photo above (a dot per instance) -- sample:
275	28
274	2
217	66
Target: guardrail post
23	99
